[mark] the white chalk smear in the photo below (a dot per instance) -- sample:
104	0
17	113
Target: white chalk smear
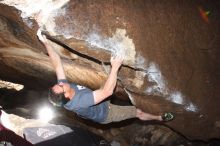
119	44
191	107
159	87
176	97
29	8
46	10
140	62
155	76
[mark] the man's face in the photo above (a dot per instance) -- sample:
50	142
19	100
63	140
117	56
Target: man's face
62	88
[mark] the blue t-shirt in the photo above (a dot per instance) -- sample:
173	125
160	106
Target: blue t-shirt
83	104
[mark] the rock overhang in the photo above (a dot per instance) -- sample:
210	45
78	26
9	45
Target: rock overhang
169	60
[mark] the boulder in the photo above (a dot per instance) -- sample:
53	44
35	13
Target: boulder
170	51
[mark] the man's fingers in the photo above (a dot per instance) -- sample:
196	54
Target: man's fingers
118	57
40	36
112	58
44	37
39	33
117	61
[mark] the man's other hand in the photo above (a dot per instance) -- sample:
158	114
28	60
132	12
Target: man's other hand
116	61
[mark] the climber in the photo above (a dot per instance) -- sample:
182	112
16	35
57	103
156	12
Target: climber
92	104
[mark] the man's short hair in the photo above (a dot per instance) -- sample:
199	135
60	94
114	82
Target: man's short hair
57	99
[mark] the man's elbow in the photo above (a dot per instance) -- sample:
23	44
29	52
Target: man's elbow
101	94
107	93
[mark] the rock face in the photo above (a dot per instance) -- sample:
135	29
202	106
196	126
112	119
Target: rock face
171	51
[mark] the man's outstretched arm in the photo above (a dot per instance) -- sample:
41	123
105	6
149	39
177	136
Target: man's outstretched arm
54	57
107	90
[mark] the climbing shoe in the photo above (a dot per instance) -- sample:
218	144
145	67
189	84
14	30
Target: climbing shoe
167	117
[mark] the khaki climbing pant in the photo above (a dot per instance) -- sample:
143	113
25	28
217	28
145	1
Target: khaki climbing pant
118	113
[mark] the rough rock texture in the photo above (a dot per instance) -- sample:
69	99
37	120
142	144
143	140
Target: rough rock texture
171	51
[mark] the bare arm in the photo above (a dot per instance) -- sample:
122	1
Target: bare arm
107	90
54	57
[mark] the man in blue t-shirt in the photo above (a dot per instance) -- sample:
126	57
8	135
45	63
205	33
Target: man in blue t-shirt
90	104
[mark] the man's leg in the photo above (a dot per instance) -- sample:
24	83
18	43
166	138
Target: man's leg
167	116
146	116
118	113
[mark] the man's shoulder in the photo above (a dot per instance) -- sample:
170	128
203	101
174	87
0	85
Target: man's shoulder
80	87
